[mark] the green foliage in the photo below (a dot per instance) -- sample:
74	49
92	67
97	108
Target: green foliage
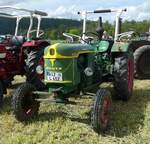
109	28
140	27
55	27
75	31
52	34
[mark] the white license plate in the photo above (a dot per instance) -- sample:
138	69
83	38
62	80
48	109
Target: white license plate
54	76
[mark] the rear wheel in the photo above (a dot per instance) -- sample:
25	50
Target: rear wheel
100	117
123	76
24	102
35	65
142	62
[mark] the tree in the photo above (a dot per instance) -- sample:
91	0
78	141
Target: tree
74	31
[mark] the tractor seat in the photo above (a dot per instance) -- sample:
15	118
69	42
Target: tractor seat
17	40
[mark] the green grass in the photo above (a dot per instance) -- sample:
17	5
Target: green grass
60	124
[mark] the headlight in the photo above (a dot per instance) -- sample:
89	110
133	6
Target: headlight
39	69
88	71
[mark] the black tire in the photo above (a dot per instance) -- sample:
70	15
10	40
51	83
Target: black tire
33	59
101	111
124	76
24	104
142	62
1	93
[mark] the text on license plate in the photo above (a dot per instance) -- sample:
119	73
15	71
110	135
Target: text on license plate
54	76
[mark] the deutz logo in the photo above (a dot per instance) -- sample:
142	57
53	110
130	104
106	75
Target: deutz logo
52	62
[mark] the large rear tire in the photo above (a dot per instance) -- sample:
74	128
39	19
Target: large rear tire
100	116
142	62
35	61
24	104
124	76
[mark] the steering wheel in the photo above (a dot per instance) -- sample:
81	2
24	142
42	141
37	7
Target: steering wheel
128	34
41	32
5	38
71	37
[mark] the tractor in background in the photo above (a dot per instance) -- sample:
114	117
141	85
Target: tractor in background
76	68
141	49
21	55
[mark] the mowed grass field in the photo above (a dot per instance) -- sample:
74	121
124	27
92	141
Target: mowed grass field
70	124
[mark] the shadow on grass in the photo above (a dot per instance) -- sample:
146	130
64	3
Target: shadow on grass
46	116
81	120
50	116
128	117
6	107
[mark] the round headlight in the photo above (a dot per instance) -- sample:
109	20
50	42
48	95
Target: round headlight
39	69
88	71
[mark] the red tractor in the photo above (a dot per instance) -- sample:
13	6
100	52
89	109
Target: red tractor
21	55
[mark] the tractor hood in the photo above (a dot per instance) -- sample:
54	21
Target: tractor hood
62	50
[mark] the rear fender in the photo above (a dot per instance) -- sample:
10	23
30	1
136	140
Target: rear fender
34	44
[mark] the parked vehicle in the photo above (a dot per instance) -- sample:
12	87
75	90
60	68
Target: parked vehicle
21	55
72	68
140	44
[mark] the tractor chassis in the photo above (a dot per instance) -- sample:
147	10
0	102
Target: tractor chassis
50	98
55	97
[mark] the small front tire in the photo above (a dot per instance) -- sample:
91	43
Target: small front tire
24	102
100	116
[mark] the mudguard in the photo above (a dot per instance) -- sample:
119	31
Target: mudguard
35	43
103	46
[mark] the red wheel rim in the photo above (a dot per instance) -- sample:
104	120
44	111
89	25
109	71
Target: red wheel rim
104	117
30	110
130	74
28	105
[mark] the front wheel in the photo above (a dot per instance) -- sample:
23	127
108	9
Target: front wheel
100	117
24	102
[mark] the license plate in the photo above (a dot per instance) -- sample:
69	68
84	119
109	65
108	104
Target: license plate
54	76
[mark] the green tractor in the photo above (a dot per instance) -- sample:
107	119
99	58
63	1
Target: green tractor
74	68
